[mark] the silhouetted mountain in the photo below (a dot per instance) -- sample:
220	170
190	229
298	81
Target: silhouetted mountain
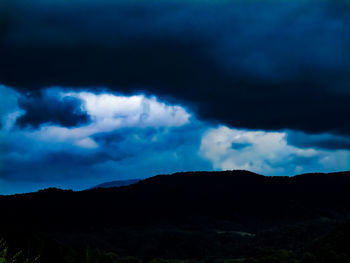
117	183
239	196
187	215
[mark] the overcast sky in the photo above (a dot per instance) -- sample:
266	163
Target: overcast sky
94	91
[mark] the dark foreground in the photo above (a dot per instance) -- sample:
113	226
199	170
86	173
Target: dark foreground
233	216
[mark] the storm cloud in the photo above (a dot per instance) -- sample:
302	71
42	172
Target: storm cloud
50	108
267	65
321	141
93	91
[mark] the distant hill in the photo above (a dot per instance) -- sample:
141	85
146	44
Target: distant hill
117	183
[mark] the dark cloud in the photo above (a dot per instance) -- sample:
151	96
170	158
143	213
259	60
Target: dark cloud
122	154
5	17
321	141
49	166
46	108
257	64
181	142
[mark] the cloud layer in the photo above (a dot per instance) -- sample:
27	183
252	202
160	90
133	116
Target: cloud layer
137	136
250	64
145	87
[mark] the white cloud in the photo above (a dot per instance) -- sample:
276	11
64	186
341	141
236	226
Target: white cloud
265	152
109	112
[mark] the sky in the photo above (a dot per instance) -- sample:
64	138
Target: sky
94	91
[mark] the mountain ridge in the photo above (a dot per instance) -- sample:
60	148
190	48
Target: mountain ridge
244	175
237	196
